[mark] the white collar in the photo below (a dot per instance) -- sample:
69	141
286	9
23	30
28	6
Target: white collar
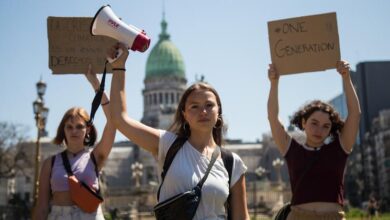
312	148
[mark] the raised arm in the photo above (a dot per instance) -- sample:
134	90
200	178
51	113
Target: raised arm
351	126
41	209
279	134
142	135
104	146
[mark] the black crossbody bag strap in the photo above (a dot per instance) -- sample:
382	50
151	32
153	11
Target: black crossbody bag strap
94	163
53	159
69	169
172	151
214	157
66	163
98	96
96	169
227	158
177	144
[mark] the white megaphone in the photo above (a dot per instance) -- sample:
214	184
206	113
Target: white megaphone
106	23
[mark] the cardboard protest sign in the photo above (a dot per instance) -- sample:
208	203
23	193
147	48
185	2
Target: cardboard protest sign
304	44
72	47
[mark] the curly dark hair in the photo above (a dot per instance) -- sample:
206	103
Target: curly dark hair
317	105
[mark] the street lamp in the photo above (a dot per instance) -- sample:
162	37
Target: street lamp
137	173
41	112
278	163
137	170
260	171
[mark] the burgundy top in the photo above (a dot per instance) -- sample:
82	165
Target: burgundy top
324	182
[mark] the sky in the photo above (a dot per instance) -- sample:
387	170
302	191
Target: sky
224	40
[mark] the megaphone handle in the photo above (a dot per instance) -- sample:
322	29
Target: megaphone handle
118	54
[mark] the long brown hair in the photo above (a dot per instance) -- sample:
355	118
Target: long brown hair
317	105
90	138
181	127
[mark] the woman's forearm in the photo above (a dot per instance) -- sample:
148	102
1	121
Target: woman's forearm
118	97
273	102
351	97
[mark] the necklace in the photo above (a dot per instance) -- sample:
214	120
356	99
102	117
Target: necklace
75	154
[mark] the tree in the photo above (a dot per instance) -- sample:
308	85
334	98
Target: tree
12	156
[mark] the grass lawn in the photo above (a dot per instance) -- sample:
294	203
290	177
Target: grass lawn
352	215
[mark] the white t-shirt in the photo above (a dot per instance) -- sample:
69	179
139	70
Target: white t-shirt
188	167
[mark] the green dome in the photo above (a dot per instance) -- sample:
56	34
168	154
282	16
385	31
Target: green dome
165	59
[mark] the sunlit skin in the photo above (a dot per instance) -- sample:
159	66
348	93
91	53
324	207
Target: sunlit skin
201	111
75	132
199	114
317	128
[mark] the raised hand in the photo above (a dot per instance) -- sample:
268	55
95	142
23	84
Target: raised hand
273	74
121	60
343	68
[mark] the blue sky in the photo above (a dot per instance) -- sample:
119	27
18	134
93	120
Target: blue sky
225	40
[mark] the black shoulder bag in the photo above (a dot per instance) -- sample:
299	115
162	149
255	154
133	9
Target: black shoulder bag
183	206
285	210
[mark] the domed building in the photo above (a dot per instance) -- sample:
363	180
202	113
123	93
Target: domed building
165	82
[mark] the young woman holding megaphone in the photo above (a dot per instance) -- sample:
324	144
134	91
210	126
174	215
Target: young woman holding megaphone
198	121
